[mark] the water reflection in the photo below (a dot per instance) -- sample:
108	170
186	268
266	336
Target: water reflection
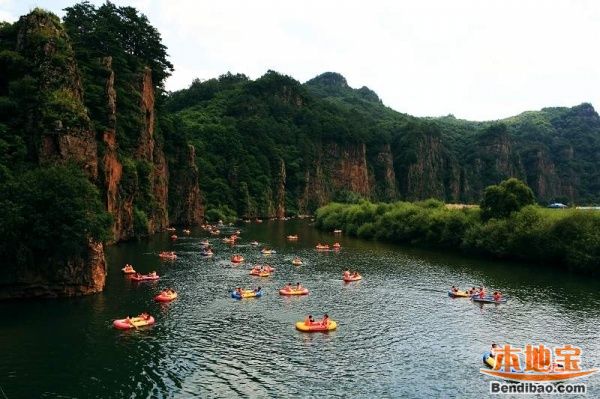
399	333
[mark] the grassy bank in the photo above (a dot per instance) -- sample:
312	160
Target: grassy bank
565	238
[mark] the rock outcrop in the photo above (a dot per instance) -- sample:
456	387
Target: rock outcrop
80	275
337	168
185	200
62	123
135	182
280	206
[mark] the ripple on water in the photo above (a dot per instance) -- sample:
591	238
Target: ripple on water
399	333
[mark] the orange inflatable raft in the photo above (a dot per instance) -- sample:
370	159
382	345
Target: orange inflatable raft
293	291
165	297
352	278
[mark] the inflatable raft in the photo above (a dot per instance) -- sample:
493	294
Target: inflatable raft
293	291
164	297
128	270
487	299
145	278
296	262
458	294
316	326
488	360
259	273
352	278
246	294
134	322
167	255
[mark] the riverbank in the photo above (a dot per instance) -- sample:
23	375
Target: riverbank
564	238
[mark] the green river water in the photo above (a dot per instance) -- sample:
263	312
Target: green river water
399	334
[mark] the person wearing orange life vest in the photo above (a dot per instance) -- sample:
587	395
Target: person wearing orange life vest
325	320
481	293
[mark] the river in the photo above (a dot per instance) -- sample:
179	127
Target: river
399	334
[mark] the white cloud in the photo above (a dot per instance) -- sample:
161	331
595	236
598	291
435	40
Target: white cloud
475	59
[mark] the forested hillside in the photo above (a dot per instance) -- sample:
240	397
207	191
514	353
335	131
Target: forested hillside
274	144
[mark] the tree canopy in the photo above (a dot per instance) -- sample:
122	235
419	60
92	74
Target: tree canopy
499	201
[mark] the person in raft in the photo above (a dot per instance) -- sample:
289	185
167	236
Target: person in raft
497	296
355	274
347	273
145	316
325	320
481	292
288	287
309	321
257	290
454	289
298	286
239	291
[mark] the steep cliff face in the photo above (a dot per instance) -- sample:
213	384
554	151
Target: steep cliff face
58	130
493	158
185	199
384	176
148	150
424	176
111	166
280	206
337	168
152	179
62	122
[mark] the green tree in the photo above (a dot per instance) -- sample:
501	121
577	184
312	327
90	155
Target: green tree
499	201
50	213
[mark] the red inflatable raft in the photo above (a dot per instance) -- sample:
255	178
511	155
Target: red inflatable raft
134	322
145	278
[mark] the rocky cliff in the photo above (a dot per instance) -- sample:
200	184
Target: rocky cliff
337	168
57	130
185	200
79	275
61	125
110	134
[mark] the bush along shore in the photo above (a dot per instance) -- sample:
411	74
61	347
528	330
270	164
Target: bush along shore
507	225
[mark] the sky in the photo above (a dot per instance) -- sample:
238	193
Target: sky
475	59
